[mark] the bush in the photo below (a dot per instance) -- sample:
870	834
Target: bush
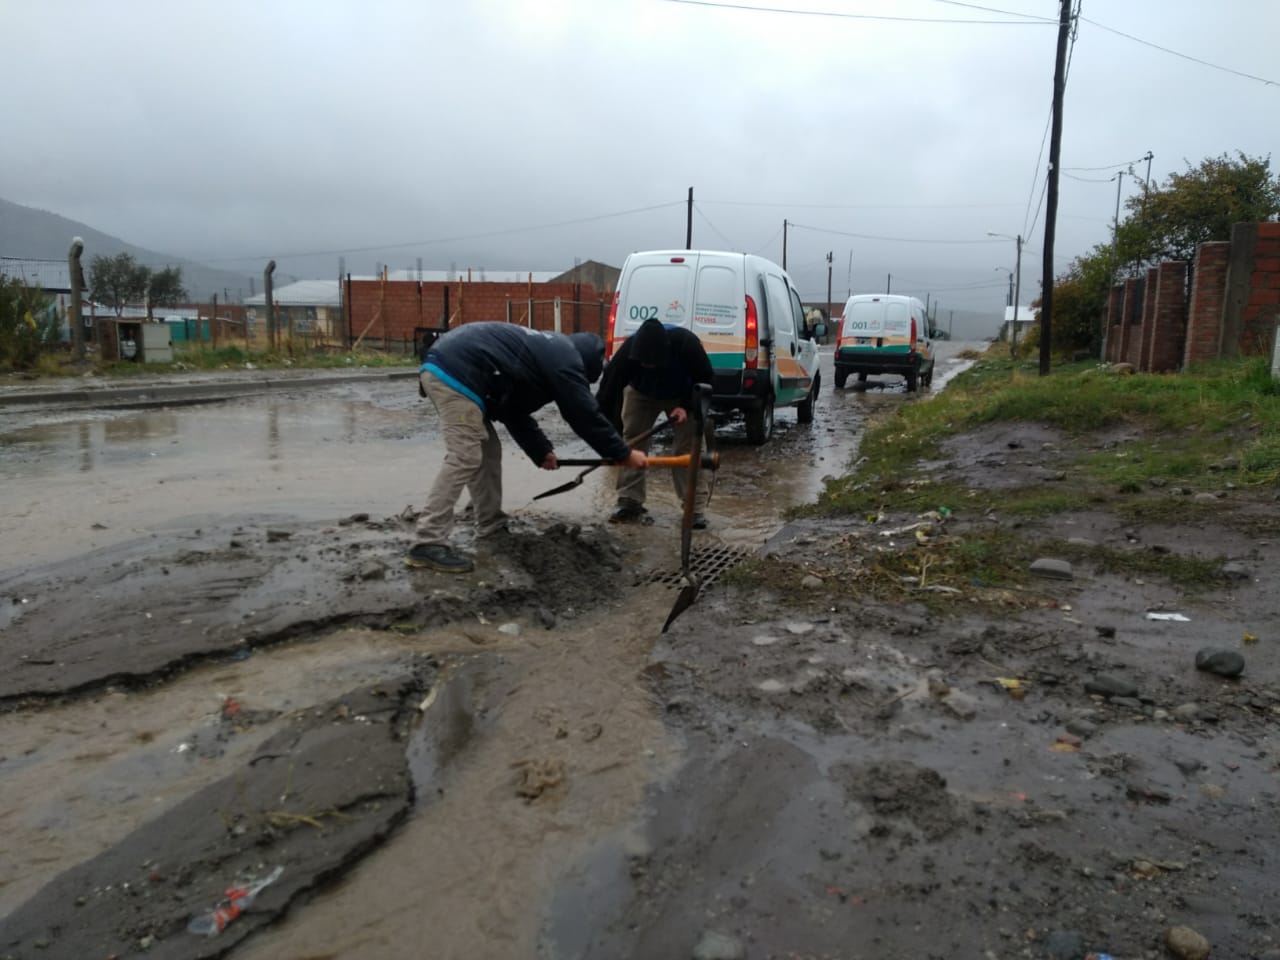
28	320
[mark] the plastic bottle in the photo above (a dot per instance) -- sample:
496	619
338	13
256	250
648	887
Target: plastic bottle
237	901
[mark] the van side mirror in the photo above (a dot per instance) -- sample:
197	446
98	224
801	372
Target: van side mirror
819	330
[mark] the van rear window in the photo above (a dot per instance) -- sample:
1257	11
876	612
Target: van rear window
658	290
877	318
719	302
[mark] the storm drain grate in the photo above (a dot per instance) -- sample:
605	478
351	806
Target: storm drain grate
706	564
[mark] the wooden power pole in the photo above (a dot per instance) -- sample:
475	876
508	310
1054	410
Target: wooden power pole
1051	208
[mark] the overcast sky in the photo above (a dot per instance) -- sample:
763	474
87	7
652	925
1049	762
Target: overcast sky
470	132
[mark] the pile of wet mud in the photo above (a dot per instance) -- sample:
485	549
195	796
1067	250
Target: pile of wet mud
313	799
139	612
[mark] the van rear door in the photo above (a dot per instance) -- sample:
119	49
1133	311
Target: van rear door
655	285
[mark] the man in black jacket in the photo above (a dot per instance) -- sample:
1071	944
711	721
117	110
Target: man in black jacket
482	372
653	373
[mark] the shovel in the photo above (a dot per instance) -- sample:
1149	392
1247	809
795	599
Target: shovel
577	481
706	460
691	584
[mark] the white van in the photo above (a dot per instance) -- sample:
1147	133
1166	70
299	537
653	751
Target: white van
746	312
884	333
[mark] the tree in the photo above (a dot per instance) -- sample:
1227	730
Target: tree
117	281
164	288
1195	207
1167	223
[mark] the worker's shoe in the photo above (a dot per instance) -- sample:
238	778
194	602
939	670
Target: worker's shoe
699	521
438	556
493	527
630	512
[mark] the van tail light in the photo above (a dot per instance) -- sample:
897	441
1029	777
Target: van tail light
752	350
608	340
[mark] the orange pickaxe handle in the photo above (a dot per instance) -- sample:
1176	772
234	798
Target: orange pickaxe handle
709	461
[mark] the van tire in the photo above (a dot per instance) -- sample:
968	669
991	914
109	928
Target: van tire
760	421
841	377
911	382
804	411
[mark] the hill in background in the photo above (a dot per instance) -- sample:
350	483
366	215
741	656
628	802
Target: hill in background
28	233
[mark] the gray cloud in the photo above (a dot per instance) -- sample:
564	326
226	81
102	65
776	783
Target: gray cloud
222	130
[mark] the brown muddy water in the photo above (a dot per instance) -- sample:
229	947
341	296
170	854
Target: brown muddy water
476	863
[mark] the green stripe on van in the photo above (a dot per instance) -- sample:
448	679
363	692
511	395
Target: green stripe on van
727	361
870	351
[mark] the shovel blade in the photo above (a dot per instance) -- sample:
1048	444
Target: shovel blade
563	488
688	594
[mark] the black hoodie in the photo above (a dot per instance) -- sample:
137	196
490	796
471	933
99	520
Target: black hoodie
514	371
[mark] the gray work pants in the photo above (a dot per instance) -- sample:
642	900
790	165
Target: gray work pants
639	413
472	459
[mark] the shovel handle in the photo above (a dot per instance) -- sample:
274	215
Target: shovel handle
708	461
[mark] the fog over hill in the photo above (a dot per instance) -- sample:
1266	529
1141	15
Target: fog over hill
32	234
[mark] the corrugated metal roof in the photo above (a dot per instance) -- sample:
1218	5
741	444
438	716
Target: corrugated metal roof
303	293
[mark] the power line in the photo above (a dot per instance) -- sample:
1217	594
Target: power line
714	229
860	206
1010	13
426	243
1086	179
868	236
1036	178
1109	166
718	4
1175	53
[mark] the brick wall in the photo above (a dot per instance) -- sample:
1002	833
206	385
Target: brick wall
1140	342
1111	333
388	312
1208	292
1169	318
1262	309
1130	315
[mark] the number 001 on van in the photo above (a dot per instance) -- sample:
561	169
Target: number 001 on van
748	315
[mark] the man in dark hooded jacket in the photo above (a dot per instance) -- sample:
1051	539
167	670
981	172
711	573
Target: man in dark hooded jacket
481	372
652	373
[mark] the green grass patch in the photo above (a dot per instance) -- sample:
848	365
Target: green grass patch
1190	424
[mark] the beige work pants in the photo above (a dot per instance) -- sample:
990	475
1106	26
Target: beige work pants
472	459
639	413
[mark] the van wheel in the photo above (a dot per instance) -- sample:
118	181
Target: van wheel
804	412
760	422
841	377
911	382
862	378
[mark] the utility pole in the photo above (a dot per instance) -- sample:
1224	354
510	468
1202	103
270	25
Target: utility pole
850	277
1146	183
1017	296
688	223
268	304
784	244
1051	208
888	283
951	318
1008	301
828	310
77	294
926	303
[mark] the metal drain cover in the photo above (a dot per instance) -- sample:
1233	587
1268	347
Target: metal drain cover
706	564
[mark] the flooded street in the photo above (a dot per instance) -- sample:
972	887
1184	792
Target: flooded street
195	574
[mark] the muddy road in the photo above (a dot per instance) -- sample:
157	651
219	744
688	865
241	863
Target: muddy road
215	665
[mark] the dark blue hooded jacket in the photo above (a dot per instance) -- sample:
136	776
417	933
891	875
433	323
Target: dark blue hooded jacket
511	371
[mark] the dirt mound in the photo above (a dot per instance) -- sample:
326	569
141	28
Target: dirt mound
902	795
